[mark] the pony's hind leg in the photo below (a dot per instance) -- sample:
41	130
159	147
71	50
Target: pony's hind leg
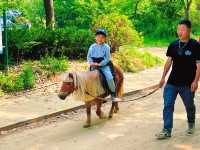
88	111
116	108
112	109
99	112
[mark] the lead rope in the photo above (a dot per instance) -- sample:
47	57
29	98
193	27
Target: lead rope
155	88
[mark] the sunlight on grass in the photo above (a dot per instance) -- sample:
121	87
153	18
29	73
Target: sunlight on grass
132	60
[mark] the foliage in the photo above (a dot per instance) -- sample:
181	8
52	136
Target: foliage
28	77
13	83
133	60
120	30
53	65
35	43
25	76
151	19
72	13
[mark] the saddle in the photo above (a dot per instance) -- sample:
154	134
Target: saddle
102	76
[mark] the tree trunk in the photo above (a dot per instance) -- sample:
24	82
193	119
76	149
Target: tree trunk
49	11
187	8
198	6
136	8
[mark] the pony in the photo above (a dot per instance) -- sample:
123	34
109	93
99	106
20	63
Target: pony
87	87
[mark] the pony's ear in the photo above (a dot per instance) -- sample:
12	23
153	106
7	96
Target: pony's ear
71	75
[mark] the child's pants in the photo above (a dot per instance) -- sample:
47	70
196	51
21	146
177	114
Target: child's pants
109	78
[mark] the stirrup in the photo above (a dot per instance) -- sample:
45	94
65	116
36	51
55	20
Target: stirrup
114	100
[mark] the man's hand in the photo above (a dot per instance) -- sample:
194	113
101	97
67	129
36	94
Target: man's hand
161	83
167	66
194	86
94	65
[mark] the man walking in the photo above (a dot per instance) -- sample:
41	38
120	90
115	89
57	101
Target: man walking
184	57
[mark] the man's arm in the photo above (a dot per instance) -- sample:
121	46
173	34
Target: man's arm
194	85
167	66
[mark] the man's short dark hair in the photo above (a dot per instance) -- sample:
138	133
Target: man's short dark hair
186	22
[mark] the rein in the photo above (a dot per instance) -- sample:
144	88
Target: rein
154	88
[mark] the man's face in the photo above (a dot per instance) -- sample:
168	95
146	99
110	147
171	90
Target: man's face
100	39
183	32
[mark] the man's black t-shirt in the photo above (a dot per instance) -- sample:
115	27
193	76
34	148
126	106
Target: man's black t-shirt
184	57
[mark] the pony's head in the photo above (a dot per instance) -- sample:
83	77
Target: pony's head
67	87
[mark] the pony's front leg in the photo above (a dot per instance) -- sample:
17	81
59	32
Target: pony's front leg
99	112
88	111
113	109
116	109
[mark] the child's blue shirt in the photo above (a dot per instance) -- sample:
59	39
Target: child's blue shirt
98	51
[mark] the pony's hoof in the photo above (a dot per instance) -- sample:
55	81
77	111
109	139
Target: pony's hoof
116	110
102	116
110	117
86	125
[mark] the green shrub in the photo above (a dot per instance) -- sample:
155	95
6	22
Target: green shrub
8	83
54	65
9	86
74	42
132	60
120	30
28	77
150	60
19	83
157	42
14	83
39	42
164	24
2	78
124	61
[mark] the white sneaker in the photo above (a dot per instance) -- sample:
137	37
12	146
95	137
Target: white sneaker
191	128
115	99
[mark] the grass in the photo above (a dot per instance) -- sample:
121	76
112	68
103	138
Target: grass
157	42
25	75
162	42
53	65
132	60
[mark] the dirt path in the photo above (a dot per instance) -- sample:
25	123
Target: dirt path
132	129
46	101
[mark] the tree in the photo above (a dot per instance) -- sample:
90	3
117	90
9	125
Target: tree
49	11
121	30
198	4
187	4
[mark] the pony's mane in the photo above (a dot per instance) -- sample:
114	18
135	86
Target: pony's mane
87	82
90	82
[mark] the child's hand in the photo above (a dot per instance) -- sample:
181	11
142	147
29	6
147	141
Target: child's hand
94	65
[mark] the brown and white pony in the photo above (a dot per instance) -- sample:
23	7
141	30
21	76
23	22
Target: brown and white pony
77	83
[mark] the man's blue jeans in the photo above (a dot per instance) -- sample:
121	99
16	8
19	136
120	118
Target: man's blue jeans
170	94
